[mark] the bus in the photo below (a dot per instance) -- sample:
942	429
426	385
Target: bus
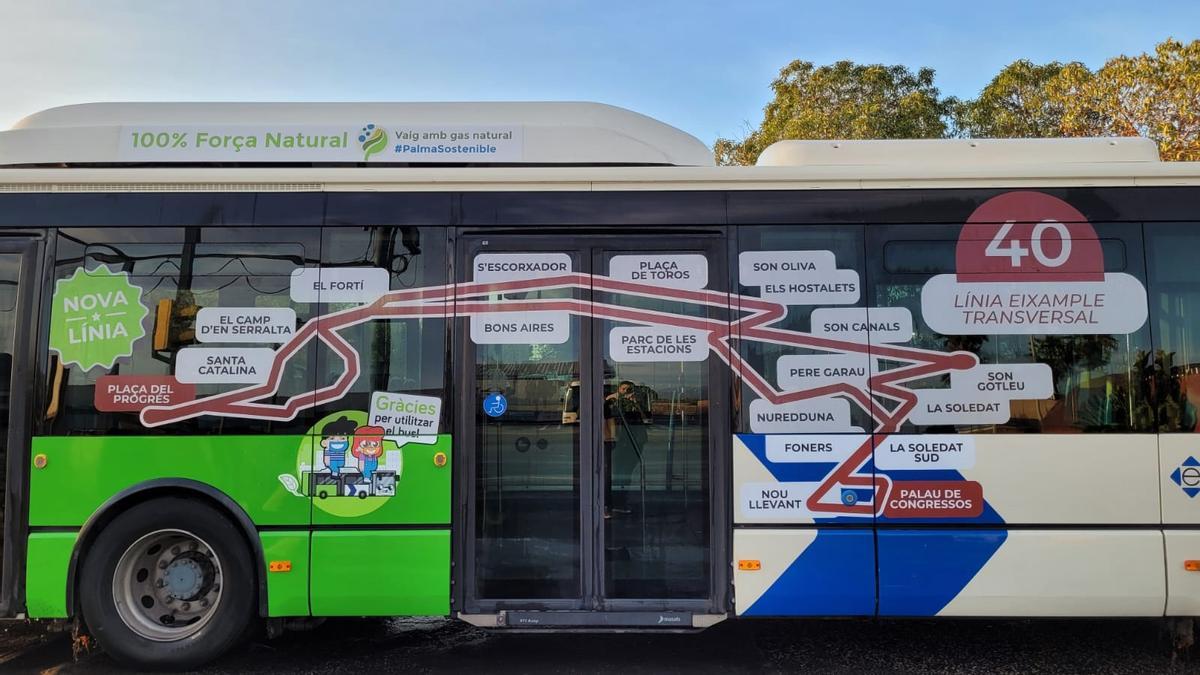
544	367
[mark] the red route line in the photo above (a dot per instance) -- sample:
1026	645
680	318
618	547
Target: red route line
437	300
845	473
383	307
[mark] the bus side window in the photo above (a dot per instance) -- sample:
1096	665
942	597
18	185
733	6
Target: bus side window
780	244
1099	380
180	271
1174	286
10	272
406	356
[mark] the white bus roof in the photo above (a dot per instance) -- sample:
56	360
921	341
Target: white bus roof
551	146
960	151
550	133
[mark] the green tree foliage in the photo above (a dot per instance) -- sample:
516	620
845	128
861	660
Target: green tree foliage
1015	104
1155	95
844	100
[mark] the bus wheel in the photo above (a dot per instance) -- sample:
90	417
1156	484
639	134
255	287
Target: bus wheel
167	584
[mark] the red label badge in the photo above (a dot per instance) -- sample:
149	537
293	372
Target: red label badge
131	393
1028	236
934	499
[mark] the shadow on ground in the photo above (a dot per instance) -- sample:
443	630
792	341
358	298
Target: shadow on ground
773	646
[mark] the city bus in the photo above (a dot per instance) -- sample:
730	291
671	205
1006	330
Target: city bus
544	367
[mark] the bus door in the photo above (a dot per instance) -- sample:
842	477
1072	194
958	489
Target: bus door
592	411
20	275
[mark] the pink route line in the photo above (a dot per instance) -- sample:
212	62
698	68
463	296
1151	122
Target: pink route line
455	301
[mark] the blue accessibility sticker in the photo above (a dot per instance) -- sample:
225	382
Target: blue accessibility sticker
494	404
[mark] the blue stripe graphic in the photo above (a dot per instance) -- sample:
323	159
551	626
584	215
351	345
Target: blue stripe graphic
919	571
834	576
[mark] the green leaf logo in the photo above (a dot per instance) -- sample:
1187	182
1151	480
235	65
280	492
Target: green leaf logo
97	317
373	139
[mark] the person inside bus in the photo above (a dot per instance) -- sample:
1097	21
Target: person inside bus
626	416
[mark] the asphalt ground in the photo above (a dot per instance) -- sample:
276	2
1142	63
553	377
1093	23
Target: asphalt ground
764	646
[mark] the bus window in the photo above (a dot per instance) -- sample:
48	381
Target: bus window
1174	285
404	356
179	272
770	243
937	257
10	271
1099	381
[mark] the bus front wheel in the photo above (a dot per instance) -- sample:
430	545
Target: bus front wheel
167	584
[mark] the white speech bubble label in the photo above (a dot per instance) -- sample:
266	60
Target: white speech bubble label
405	415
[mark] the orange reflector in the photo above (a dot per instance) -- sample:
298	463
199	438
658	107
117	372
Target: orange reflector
1191	565
750	565
280	566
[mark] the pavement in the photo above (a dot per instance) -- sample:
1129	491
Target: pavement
760	646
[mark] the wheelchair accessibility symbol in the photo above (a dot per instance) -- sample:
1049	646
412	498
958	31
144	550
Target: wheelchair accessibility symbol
494	404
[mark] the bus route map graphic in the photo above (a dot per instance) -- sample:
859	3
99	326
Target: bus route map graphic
1026	263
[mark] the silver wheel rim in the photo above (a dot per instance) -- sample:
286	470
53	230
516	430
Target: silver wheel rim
167	585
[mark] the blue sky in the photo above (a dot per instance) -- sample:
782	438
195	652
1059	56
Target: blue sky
702	66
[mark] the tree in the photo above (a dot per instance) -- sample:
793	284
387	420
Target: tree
1154	95
1017	103
844	100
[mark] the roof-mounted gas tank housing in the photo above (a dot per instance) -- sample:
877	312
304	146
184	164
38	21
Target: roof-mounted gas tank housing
965	152
353	134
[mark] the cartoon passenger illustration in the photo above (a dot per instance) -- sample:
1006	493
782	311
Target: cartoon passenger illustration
367	447
352	464
335	442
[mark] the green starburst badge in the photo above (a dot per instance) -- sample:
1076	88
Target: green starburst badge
97	317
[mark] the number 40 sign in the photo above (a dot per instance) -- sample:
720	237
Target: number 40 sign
1028	236
1028	263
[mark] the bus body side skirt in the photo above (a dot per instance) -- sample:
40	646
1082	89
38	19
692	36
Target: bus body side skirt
557	620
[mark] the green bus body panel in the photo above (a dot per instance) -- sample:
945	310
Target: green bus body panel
422	493
381	573
82	472
46	565
262	474
287	592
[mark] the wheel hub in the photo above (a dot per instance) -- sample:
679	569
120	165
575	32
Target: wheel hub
167	585
184	577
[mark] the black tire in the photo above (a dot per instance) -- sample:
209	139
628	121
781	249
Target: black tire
230	617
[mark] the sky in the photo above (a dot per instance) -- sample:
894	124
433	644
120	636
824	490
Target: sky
702	66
